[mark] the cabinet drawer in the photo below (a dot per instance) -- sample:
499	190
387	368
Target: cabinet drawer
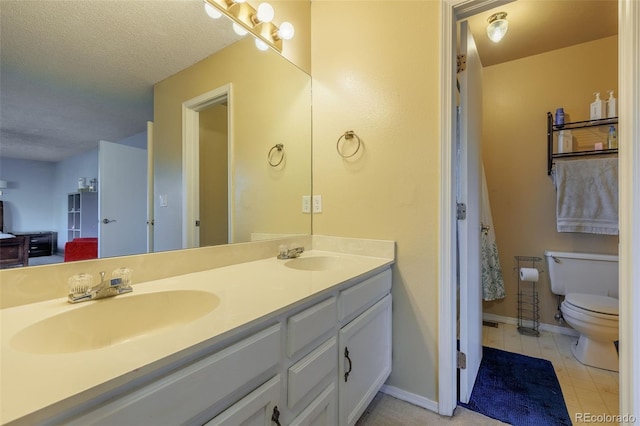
355	299
321	412
183	394
308	325
310	370
255	408
40	239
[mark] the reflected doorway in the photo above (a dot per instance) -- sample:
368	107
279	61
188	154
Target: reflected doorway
207	153
214	175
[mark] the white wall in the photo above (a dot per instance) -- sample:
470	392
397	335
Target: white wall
29	198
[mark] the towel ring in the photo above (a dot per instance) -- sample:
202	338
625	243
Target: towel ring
348	135
280	148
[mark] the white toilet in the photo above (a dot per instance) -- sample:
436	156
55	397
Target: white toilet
589	283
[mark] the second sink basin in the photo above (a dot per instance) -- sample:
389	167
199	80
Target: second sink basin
316	263
114	320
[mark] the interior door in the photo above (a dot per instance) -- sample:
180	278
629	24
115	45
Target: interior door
122	200
469	195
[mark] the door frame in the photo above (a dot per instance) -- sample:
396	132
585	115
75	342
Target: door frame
629	199
191	164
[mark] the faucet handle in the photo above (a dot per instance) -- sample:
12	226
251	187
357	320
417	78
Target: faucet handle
80	283
121	276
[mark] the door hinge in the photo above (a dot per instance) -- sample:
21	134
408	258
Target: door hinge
461	211
461	63
461	360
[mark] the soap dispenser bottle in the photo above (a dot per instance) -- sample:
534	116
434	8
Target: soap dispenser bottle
597	107
611	105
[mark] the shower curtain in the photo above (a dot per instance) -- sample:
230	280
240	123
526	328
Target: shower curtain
492	281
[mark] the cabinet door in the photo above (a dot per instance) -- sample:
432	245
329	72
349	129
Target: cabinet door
321	412
259	408
365	348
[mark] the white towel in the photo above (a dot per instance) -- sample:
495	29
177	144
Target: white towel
587	191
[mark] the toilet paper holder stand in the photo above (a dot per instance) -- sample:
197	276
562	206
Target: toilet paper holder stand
528	301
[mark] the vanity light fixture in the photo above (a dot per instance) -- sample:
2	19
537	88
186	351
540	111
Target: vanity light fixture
256	21
498	26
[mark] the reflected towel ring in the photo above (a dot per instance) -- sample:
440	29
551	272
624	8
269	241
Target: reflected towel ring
348	135
280	148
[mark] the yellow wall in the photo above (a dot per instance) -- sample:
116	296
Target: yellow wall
517	96
375	71
270	103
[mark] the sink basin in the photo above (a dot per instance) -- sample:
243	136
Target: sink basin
114	320
316	263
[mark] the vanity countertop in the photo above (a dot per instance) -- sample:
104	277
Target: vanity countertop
36	385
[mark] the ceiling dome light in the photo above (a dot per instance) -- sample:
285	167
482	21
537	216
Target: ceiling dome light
212	11
261	45
286	31
239	30
265	12
498	26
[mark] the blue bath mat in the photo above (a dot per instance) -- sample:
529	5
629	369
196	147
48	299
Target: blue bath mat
519	390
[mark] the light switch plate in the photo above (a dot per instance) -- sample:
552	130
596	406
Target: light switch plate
164	202
306	204
317	203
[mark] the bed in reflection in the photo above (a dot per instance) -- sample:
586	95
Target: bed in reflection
14	249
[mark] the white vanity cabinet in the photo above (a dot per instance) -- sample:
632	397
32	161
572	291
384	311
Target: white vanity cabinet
288	370
365	350
186	395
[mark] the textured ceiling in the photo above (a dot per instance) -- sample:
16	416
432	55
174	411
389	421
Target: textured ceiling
75	72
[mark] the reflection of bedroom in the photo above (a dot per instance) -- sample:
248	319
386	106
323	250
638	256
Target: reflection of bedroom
38	215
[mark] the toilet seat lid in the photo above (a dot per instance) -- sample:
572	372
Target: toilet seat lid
592	302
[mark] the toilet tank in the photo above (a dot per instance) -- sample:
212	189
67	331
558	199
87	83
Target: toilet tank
589	273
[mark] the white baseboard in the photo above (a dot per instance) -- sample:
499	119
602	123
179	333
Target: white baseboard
411	398
543	327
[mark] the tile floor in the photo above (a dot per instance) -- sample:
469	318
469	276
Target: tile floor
585	389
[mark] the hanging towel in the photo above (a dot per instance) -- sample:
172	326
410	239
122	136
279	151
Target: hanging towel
587	192
492	281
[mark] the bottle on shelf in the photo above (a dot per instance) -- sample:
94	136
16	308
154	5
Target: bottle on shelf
612	138
560	117
597	107
611	105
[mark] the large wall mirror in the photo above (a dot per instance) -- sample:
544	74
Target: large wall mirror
97	90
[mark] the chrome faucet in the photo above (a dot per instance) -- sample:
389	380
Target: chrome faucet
81	290
289	253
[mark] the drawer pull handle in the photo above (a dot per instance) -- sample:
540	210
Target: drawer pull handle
346	355
275	417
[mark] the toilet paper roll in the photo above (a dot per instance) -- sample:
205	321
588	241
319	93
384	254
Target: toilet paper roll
529	274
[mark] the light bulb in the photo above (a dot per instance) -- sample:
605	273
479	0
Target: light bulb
239	1
212	11
265	12
261	45
286	31
239	30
